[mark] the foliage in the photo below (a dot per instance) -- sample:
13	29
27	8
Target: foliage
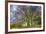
30	19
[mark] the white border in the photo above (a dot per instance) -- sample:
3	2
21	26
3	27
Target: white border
25	29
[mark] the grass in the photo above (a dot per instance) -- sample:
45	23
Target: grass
35	23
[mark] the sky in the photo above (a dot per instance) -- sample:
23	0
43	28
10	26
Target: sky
15	12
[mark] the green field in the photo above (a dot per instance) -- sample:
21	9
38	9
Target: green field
34	22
